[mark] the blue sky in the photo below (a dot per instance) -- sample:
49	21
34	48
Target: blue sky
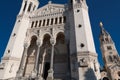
107	11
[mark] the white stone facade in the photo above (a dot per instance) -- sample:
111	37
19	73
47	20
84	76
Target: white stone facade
53	42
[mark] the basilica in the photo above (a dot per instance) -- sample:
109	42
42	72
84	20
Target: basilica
55	42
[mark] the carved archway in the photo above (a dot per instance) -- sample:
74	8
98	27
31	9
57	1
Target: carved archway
60	57
31	55
45	55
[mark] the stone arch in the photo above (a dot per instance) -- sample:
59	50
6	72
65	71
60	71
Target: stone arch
45	33
33	35
58	32
60	37
31	56
45	55
60	57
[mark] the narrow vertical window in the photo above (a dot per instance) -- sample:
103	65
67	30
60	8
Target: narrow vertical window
56	20
43	22
36	23
60	20
29	8
48	22
25	6
32	24
52	21
64	20
40	23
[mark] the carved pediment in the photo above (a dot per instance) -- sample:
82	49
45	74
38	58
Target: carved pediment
49	9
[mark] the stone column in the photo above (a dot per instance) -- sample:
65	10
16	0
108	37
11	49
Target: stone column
42	64
36	65
23	61
50	72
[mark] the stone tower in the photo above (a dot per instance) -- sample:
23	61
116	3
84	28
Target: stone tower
14	50
83	57
110	55
53	42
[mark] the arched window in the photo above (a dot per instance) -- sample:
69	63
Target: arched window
29	8
25	6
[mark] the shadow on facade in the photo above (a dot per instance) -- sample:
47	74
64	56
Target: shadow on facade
90	75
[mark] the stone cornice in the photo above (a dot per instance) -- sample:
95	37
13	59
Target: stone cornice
11	58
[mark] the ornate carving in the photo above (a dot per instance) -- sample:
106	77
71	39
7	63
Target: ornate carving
83	62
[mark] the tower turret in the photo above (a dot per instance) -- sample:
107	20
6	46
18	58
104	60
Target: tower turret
109	54
15	47
28	6
81	38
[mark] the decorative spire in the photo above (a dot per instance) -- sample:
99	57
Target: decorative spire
103	31
101	25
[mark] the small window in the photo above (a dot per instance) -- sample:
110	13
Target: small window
32	24
79	25
14	35
109	48
82	45
78	10
18	20
8	51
